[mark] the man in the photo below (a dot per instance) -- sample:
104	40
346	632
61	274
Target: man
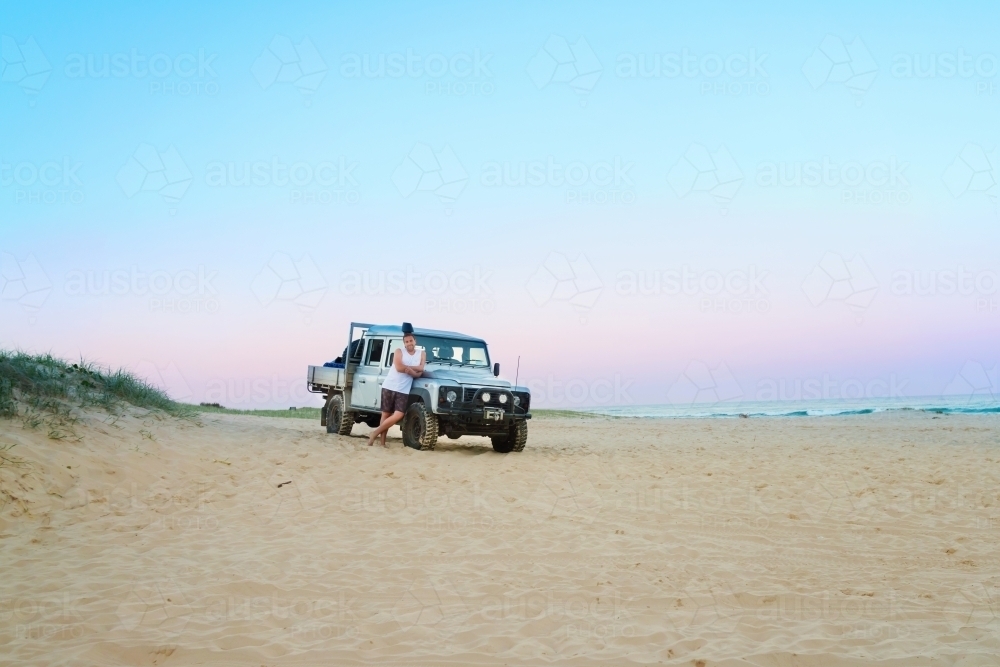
407	363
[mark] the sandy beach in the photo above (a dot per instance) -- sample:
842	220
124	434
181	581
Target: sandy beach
238	540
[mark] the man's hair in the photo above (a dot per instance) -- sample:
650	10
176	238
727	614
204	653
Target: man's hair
409	335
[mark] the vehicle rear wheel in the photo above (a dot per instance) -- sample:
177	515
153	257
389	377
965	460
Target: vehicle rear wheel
373	421
420	427
515	439
338	420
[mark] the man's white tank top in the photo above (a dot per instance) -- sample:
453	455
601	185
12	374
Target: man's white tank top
402	382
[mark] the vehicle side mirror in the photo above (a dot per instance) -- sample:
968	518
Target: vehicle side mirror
496	369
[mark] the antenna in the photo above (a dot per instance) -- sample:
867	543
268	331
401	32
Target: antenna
517	372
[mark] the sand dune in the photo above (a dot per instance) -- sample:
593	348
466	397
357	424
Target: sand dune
245	540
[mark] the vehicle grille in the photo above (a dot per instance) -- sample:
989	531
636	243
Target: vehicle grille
469	395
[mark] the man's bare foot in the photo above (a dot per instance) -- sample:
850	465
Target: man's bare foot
371	439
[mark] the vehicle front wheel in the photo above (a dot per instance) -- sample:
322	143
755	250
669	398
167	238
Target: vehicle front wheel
420	427
515	439
338	420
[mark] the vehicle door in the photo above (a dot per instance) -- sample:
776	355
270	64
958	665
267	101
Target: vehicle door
367	387
394	344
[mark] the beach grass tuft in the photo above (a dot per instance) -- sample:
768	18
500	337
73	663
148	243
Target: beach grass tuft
40	389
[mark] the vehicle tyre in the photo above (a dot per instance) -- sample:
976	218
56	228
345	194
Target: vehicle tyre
514	441
420	427
338	420
373	421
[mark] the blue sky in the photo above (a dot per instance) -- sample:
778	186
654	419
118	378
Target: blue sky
637	177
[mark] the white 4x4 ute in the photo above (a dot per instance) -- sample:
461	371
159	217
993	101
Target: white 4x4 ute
458	394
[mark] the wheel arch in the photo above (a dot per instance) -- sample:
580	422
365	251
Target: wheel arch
420	395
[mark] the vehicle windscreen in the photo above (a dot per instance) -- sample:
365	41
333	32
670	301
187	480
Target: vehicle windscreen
454	352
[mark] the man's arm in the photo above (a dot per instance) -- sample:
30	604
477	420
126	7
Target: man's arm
397	362
418	370
412	371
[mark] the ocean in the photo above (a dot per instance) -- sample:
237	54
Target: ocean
808	408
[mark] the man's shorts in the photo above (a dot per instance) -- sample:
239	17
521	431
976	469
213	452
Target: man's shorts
394	401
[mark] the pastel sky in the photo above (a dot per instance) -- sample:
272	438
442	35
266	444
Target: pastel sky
623	195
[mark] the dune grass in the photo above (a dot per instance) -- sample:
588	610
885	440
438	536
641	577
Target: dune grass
40	389
298	413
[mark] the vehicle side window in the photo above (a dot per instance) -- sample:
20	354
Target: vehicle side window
374	356
394	344
357	347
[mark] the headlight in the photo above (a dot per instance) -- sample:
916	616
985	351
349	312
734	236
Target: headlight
451	396
503	398
517	400
486	397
